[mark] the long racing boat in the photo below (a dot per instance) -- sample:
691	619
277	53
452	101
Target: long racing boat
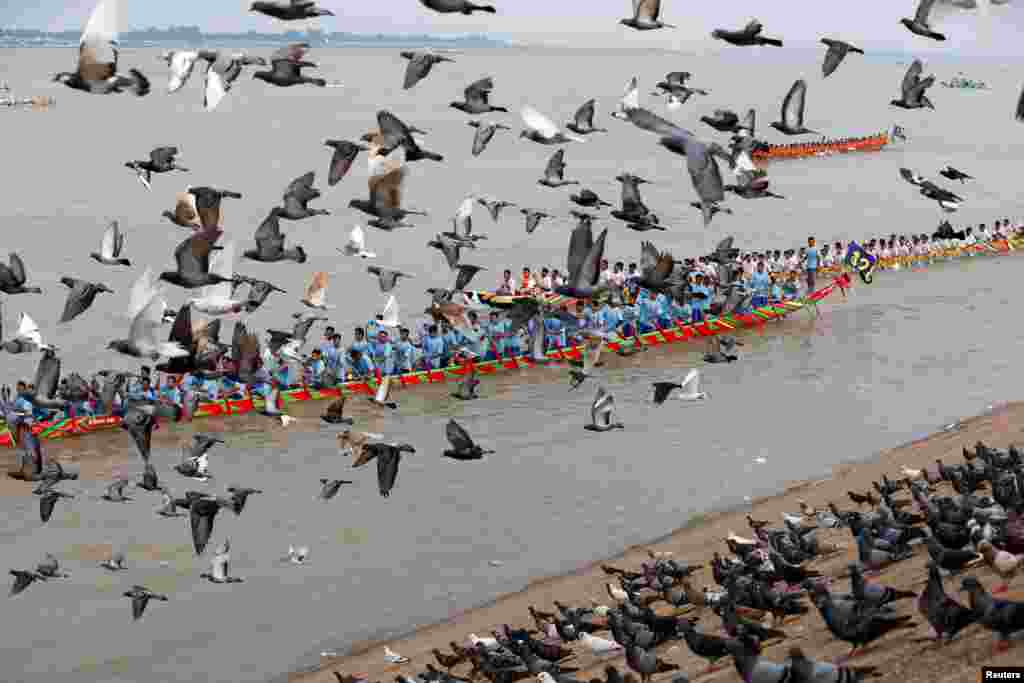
681	332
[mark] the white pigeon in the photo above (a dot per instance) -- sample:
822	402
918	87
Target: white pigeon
28	332
297	555
540	126
316	292
111	247
287	419
392	657
356	245
630	100
146	308
674	102
691	387
216	300
181	63
220	565
389	316
600	646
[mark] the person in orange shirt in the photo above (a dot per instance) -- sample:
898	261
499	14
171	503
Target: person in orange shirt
526	282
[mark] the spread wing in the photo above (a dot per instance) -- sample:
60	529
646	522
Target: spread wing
631	96
584	117
193	255
215	87
591	267
47	375
341	162
387	470
580	243
97	54
704	172
835	53
556	165
691	382
1019	114
28	330
654	265
538	122
924	8
142	292
201	514
109	244
793	105
479	91
602	407
912	77
301	186
457	436
17	269
181	64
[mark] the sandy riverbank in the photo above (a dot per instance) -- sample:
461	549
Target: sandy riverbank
896	656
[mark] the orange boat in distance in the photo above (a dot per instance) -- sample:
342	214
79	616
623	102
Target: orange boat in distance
870	143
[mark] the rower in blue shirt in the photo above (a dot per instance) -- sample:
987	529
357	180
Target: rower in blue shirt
358	364
663	310
433	348
452	341
761	284
359	342
552	333
700	304
499	336
404	352
283	375
382	353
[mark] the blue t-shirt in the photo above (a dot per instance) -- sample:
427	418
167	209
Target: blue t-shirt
811	256
405	353
702	304
761	283
433	347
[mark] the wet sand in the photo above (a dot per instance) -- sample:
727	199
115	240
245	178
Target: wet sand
897	656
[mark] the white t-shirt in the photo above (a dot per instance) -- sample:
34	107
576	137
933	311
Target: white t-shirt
604	275
617	279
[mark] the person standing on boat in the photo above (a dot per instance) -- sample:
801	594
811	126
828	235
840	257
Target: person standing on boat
506	287
761	283
701	303
811	263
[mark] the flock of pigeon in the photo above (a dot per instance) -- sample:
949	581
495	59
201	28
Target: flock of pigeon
769	579
203	264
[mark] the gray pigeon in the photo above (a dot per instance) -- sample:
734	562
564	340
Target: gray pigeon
477	98
81	294
583	121
460	6
583	263
533	218
345	153
792	118
554	172
483	135
837	50
111	247
141	596
703	169
329	487
919	24
294	10
912	90
749	35
270	242
420	64
494	206
385	277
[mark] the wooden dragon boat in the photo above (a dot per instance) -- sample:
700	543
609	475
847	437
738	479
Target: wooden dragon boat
682	332
872	143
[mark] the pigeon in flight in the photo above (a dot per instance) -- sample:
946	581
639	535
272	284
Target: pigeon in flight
919	24
837	50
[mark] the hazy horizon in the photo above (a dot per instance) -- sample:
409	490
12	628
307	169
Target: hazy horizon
872	24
